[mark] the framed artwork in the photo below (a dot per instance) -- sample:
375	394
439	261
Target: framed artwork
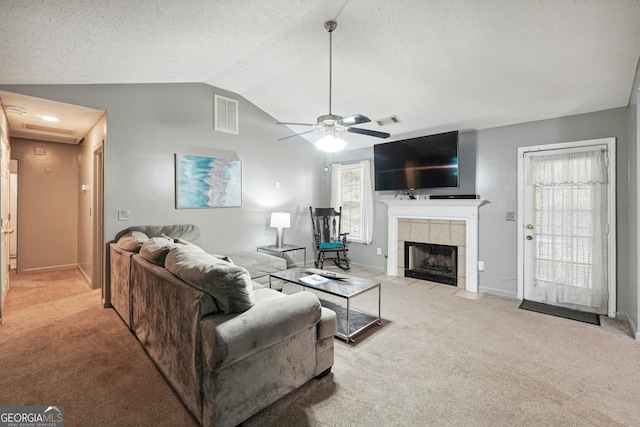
207	182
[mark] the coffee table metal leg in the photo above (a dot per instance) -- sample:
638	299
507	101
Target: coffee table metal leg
348	320
379	304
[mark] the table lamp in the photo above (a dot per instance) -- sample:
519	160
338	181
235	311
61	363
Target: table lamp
280	220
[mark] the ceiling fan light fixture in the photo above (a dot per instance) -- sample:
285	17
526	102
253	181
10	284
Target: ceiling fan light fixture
330	143
332	123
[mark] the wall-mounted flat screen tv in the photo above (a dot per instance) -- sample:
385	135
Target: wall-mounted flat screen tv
422	162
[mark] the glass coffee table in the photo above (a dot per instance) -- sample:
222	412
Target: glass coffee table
350	321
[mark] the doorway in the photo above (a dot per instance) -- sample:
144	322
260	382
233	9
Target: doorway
566	208
4	222
13	214
98	222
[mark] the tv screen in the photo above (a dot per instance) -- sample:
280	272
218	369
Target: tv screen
423	162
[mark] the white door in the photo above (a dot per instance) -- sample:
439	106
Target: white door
4	223
568	254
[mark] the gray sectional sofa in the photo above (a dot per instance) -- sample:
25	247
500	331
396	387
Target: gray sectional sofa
228	345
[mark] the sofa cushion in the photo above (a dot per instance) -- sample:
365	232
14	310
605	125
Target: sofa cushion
274	318
155	249
230	285
132	241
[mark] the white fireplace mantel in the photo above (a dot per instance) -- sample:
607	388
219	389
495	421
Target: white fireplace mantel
450	209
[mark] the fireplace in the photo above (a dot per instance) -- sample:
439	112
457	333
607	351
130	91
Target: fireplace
433	262
447	222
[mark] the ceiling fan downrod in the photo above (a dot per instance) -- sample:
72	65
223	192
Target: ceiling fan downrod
330	26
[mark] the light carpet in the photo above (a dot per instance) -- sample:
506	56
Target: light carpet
442	360
437	360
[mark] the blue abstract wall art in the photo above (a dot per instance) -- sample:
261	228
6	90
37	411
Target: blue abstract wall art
207	182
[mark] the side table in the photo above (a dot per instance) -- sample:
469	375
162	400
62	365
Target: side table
284	249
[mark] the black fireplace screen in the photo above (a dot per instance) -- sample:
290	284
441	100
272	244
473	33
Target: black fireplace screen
427	261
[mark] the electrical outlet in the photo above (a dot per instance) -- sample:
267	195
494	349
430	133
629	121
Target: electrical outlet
480	265
379	251
510	216
124	215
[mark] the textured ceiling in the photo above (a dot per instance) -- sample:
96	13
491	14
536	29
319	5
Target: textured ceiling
436	65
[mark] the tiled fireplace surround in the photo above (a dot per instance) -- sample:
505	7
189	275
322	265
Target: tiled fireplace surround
434	231
445	222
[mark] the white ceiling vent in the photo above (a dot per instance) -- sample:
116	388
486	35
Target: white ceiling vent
226	114
49	129
388	121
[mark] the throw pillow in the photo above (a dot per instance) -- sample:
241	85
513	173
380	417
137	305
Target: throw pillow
132	241
155	249
230	285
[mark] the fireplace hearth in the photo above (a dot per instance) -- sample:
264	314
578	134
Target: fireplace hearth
427	261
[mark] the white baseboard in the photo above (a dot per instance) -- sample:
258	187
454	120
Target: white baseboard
50	268
498	292
625	317
369	267
86	277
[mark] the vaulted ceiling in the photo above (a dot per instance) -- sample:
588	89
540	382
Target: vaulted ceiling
436	65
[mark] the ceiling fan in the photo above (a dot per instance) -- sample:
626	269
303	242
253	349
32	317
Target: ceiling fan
330	123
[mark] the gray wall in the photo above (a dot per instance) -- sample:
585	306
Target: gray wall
366	255
497	182
85	200
630	304
47	205
488	162
148	123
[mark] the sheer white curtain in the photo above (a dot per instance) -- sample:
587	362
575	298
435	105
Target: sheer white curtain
367	202
571	238
366	206
336	185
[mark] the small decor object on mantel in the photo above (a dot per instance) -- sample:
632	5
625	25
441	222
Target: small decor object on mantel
207	182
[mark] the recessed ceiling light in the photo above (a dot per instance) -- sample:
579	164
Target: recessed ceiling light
16	109
48	118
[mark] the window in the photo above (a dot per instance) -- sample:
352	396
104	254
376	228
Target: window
351	188
352	201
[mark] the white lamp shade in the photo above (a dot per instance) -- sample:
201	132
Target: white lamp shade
330	143
280	220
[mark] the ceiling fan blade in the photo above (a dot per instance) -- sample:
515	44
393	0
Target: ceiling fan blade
354	120
297	124
298	134
369	132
